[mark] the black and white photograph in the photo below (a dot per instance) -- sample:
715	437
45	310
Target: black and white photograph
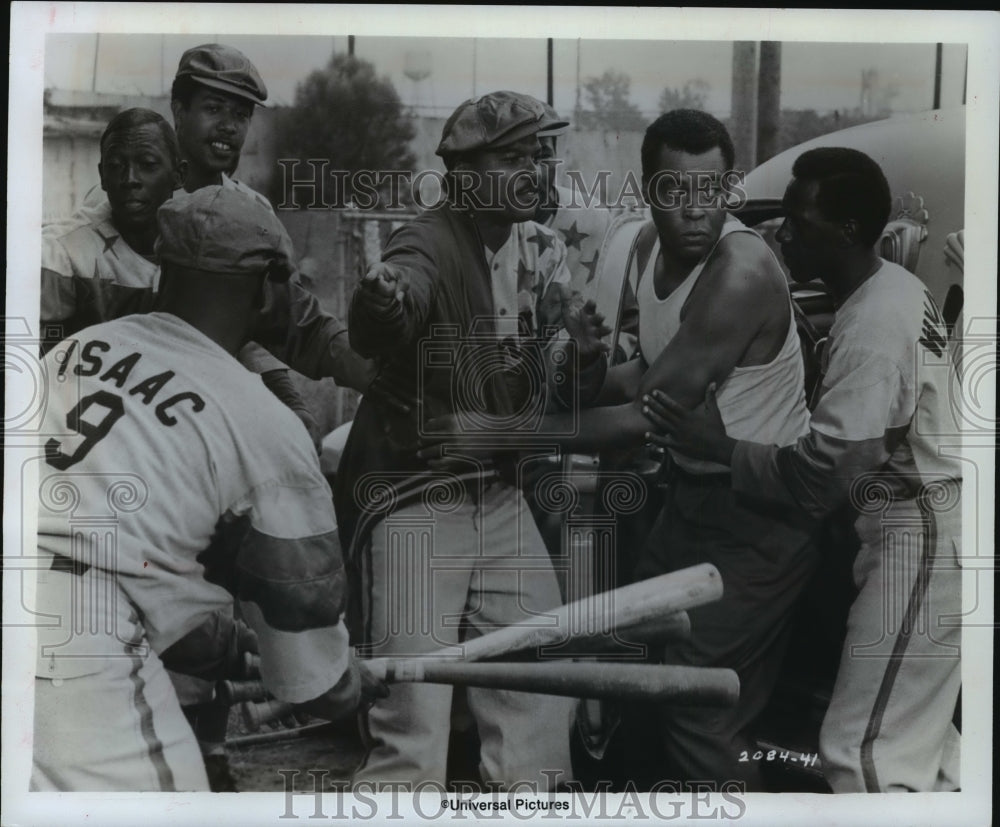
496	414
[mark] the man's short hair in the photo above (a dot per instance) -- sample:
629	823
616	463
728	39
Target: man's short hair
851	185
685	130
129	119
183	89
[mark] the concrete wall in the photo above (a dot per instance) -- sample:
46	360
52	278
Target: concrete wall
69	171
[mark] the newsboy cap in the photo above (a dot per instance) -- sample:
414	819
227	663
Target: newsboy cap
224	230
552	125
224	68
490	121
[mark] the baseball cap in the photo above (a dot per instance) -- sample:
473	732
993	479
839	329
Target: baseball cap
492	120
224	68
223	230
552	125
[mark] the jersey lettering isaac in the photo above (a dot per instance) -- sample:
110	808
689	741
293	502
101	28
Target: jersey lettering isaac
161	428
117	375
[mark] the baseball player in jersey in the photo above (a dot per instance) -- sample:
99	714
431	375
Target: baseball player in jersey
474	281
101	264
875	440
713	307
135	394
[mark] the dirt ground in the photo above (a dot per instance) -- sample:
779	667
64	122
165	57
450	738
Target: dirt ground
333	747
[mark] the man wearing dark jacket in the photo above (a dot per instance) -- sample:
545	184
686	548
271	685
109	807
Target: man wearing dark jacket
460	311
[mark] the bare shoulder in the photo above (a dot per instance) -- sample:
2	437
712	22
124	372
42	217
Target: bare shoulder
745	250
743	263
740	288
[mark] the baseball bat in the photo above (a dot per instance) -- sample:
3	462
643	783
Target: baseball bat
624	641
233	692
255	715
682	685
251	665
610	611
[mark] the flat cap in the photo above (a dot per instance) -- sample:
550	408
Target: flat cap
222	230
224	68
552	124
490	121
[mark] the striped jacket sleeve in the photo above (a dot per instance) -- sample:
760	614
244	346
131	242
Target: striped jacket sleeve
58	297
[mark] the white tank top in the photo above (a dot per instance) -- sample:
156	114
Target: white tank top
760	403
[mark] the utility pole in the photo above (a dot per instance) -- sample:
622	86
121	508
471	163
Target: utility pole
576	109
350	45
768	100
965	77
97	51
743	113
937	75
548	63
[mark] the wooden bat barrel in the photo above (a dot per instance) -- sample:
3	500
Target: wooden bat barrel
681	685
612	611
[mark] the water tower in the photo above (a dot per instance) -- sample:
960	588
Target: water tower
417	67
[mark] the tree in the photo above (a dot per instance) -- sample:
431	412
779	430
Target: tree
693	96
610	107
346	115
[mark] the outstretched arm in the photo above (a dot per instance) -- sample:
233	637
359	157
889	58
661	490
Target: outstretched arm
393	301
847	437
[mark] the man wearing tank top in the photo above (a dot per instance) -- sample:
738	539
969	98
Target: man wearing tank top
879	441
714	307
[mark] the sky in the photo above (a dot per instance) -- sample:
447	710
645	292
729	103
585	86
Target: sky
820	76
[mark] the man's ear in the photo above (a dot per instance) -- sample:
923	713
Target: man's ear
100	173
260	295
180	173
176	107
850	231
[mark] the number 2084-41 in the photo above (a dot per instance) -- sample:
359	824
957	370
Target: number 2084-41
806	759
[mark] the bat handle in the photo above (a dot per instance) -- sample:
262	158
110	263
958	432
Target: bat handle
233	692
255	715
393	670
251	665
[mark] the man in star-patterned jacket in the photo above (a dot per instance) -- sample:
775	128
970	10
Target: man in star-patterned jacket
460	312
580	224
583	227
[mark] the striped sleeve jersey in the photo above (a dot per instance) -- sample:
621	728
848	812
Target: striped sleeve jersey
90	274
884	406
165	437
